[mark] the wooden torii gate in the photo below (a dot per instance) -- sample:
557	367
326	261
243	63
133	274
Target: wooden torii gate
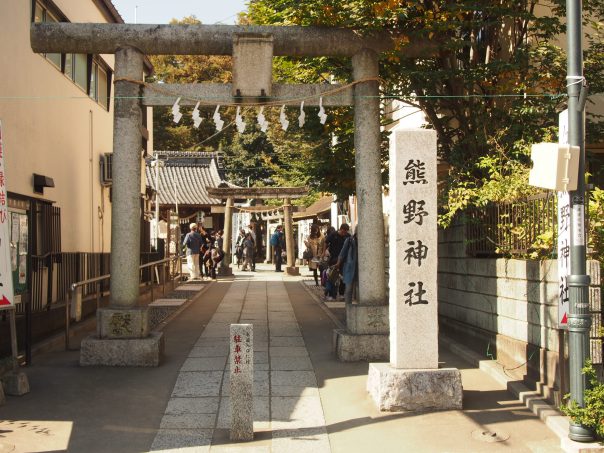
286	193
253	48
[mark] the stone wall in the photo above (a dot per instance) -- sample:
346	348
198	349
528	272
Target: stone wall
506	309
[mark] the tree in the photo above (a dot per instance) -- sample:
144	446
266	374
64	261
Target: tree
493	86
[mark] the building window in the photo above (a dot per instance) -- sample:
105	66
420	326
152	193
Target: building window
93	78
93	81
68	69
80	70
41	14
103	88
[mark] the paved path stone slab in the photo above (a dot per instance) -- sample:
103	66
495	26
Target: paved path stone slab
283	351
189	440
198	383
287	341
167	302
291	363
188	421
207	405
286	398
189	287
204	364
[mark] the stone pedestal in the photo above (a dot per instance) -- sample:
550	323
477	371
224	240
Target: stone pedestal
15	384
143	352
122	339
395	389
366	336
117	323
292	270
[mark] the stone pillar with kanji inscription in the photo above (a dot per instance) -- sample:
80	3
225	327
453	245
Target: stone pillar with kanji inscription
123	337
413	380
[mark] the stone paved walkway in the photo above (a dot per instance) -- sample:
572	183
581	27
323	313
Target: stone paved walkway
286	397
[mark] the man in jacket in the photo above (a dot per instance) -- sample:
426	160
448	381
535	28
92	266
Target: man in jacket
192	242
278	243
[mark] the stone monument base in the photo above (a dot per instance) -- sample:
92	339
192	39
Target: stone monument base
350	347
143	352
116	322
293	270
15	384
395	389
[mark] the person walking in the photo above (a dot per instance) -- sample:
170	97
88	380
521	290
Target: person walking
248	252
315	244
193	242
348	265
239	248
278	243
334	244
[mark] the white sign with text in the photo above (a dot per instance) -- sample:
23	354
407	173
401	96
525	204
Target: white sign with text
6	275
563	234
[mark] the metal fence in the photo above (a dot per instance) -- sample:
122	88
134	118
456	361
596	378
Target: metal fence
511	228
52	274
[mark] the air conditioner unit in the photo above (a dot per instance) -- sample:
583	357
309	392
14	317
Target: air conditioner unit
106	169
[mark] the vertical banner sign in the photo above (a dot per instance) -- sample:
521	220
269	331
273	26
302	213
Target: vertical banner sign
563	234
413	250
6	275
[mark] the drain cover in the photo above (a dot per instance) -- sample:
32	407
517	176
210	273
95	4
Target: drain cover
6	448
484	435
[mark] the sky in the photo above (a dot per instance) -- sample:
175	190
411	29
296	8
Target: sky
162	11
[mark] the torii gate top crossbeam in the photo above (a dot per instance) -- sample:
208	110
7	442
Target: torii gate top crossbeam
180	39
257	192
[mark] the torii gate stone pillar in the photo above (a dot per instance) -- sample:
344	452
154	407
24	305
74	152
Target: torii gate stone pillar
366	334
123	337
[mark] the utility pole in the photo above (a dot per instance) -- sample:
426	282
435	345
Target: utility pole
579	320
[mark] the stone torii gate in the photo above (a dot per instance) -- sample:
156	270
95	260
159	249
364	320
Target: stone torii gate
286	193
252	47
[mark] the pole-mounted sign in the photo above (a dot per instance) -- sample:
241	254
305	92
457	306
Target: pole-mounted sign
6	275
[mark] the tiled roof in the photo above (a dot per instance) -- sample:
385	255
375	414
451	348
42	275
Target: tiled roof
190	173
320	206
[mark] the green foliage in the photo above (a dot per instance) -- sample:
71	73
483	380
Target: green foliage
596	223
591	415
472	88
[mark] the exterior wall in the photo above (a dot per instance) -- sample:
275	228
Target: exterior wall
506	309
51	127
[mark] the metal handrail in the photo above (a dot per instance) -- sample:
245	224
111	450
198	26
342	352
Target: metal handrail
177	259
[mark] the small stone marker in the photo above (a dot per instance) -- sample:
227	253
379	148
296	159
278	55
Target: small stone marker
242	380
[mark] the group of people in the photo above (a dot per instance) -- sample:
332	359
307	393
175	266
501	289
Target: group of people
204	251
334	255
245	250
246	245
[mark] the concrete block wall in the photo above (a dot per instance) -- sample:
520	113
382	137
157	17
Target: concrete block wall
507	309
